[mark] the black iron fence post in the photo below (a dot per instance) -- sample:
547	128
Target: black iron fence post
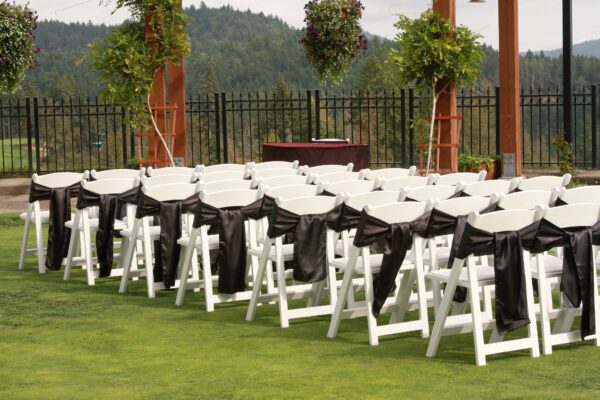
36	131
217	130
224	127
124	136
403	124
309	115
29	137
497	106
594	126
411	126
318	114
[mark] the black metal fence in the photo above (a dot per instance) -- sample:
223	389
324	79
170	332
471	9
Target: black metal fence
50	135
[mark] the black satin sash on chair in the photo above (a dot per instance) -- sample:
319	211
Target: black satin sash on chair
59	213
168	214
228	223
507	248
349	218
309	238
397	239
577	278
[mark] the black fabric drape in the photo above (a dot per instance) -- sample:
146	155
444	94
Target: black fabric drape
398	239
577	278
228	223
506	247
349	218
108	206
309	238
166	251
59	213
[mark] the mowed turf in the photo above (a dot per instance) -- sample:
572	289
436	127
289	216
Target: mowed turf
65	340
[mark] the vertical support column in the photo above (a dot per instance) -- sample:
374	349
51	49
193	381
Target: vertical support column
510	113
594	126
317	114
309	122
176	87
446	105
30	136
567	10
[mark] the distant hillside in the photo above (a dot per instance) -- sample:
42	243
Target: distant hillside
590	48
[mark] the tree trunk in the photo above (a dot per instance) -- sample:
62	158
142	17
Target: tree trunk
431	128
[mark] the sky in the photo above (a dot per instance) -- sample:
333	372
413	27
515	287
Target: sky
540	26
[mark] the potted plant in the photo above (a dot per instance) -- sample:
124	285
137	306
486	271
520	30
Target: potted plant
476	163
435	54
333	37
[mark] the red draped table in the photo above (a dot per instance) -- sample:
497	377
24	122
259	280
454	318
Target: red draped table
313	154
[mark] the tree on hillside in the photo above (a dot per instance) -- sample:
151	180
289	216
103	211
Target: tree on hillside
209	83
281	119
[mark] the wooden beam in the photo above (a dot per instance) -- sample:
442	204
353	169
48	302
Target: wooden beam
510	87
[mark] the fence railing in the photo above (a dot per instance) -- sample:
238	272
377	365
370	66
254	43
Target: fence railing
51	135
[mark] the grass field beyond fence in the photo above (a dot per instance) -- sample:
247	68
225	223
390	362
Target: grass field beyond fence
65	340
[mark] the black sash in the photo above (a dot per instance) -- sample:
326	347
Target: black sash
229	224
397	239
59	213
506	247
166	248
578	268
310	240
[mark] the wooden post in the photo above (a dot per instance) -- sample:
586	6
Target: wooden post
510	87
446	105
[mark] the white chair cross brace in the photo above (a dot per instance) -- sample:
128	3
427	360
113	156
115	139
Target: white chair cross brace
361	261
475	278
387	173
274	251
34	215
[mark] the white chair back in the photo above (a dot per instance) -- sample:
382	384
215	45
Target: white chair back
360	201
209	169
503	221
117	173
281	181
406	182
334	177
460	177
273	172
431	192
229	184
308	205
222	176
171	192
161	180
58	179
462	205
396	213
326	169
229	198
387	173
173	171
487	188
109	185
291	191
273	165
583	194
572	215
544	182
528	200
349	187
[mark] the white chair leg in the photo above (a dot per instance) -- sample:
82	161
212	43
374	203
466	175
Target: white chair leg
370	299
148	258
281	285
72	245
344	292
185	257
39	238
258	279
421	288
87	245
532	327
476	314
544	293
128	259
25	239
207	273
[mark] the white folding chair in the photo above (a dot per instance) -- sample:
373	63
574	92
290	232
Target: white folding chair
290	191
326	169
528	200
487	188
543	182
335	177
147	234
425	193
117	173
388	173
274	251
209	177
273	172
83	225
209	169
280	181
583	194
203	243
398	184
547	268
34	215
161	180
273	165
361	261
229	184
460	177
173	171
349	187
476	277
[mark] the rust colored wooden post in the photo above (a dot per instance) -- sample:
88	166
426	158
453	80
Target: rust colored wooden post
176	88
510	87
446	105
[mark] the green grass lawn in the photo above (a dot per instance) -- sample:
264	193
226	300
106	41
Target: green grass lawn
65	340
13	155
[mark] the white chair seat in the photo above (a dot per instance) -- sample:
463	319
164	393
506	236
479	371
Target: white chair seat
375	259
154	232
552	264
44	215
485	276
288	252
119	225
442	253
213	242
